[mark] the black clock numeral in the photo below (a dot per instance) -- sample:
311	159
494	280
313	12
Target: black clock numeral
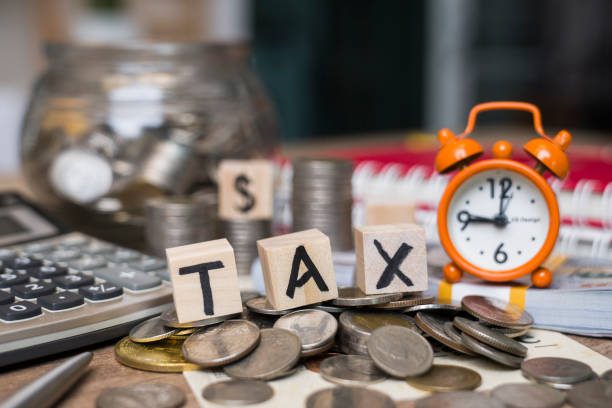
500	256
505	184
491	182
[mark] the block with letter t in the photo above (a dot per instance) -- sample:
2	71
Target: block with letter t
297	269
204	280
246	189
391	258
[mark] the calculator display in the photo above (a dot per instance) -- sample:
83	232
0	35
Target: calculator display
9	226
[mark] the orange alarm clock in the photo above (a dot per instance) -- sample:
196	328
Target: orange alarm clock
498	219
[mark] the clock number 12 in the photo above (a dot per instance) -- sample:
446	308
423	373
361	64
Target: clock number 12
505	184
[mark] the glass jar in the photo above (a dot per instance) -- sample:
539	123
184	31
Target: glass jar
111	126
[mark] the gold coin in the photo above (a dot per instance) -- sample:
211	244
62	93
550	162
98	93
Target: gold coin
162	356
442	378
182	334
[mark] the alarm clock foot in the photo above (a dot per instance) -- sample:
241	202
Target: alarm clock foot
452	274
541	278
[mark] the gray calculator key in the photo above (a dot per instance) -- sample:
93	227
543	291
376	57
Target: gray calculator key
162	274
148	264
65	254
87	263
73	281
39	247
6	254
102	291
128	278
122	255
98	248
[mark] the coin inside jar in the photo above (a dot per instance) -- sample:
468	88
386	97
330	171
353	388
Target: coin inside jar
446	378
349	397
528	396
496	312
400	352
222	344
353	296
350	370
238	392
150	330
150	395
556	370
277	352
315	328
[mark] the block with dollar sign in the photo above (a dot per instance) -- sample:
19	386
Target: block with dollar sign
246	189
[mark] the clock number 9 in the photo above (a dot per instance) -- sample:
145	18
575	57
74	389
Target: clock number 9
500	256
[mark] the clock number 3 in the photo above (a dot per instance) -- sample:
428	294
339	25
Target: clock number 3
500	256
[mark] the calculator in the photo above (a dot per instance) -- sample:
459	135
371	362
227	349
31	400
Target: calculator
68	289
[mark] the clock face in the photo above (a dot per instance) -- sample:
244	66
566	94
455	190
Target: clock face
498	220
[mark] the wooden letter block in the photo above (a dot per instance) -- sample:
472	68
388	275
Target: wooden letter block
204	280
297	269
377	213
246	189
391	258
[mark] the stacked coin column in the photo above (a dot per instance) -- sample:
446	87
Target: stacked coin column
322	198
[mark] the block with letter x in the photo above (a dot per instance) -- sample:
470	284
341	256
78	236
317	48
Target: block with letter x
391	258
298	269
204	280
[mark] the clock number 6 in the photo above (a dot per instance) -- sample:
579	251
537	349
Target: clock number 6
500	256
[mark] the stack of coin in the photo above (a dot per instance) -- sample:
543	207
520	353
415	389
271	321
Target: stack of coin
322	199
176	221
243	236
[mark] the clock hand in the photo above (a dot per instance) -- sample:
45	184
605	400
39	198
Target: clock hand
465	218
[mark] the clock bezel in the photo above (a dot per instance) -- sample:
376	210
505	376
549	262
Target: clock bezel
551	203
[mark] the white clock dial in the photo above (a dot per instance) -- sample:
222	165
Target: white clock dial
498	220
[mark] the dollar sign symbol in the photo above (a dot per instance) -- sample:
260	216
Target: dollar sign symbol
241	183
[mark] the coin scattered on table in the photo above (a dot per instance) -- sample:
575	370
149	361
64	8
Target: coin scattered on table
277	352
434	307
528	396
150	395
607	375
491	353
496	312
329	308
262	306
221	344
315	328
171	320
490	337
556	370
349	397
458	399
400	352
444	378
591	394
151	330
351	370
161	356
407	300
238	392
508	331
353	296
433	325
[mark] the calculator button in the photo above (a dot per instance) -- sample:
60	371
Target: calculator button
123	255
128	278
33	290
88	263
39	247
61	301
62	255
19	311
103	291
73	281
148	264
98	248
6	297
162	274
47	271
6	254
23	262
8	279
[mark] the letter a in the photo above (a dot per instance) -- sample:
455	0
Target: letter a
294	282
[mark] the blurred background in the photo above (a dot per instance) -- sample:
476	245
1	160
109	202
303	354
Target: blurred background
334	67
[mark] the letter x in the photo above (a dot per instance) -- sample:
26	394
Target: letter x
393	265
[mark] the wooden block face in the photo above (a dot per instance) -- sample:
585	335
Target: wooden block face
391	258
204	280
381	213
298	269
246	189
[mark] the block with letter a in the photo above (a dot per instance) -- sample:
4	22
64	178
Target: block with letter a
204	280
298	269
246	189
391	258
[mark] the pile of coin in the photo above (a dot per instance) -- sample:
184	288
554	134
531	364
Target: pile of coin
322	198
243	236
175	221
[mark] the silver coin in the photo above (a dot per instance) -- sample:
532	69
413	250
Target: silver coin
405	301
559	386
277	352
315	328
171	320
433	325
351	370
500	357
221	344
400	352
319	350
506	331
607	375
349	397
490	337
434	307
458	399
495	311
150	395
262	306
150	330
356	327
330	308
353	296
238	392
556	370
528	396
591	394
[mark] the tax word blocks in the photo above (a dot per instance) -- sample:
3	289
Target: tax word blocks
204	280
391	258
246	189
297	269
